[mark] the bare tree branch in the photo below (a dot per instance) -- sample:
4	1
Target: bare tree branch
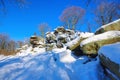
71	16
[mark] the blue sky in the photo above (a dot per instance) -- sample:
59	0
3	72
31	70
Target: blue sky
22	23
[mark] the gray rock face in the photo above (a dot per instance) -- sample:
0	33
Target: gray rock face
110	65
110	59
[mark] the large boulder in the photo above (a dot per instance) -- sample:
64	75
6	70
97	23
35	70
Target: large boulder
50	38
37	41
75	43
109	56
34	40
92	44
115	25
59	30
70	32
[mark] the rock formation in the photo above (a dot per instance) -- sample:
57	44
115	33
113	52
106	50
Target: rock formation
109	56
115	25
92	44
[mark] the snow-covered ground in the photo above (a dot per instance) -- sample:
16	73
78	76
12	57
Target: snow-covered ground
58	64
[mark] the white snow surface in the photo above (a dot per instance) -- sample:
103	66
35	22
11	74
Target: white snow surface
111	51
31	50
64	55
106	35
86	34
58	64
107	24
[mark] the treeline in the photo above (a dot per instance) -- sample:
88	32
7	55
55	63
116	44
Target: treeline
8	46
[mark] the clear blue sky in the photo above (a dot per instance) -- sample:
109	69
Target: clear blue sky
22	23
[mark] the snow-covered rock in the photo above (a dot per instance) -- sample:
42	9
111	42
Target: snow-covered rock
37	41
59	37
110	57
93	43
115	25
86	34
50	37
76	42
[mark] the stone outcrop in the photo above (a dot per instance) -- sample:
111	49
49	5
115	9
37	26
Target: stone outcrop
37	41
50	38
73	44
110	60
108	27
59	30
92	44
59	37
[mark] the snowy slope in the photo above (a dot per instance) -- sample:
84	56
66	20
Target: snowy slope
103	36
48	67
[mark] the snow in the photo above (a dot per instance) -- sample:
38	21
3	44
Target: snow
73	42
64	55
31	50
86	34
108	24
111	51
58	64
48	66
106	35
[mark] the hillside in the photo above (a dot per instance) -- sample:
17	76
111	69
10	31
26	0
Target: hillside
65	55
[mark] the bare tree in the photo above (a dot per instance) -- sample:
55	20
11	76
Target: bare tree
7	46
11	45
3	41
43	27
19	44
71	16
106	12
89	27
4	3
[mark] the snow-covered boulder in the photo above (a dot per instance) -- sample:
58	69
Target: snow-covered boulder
62	38
59	30
93	43
50	37
115	25
110	58
37	41
51	46
59	37
76	42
